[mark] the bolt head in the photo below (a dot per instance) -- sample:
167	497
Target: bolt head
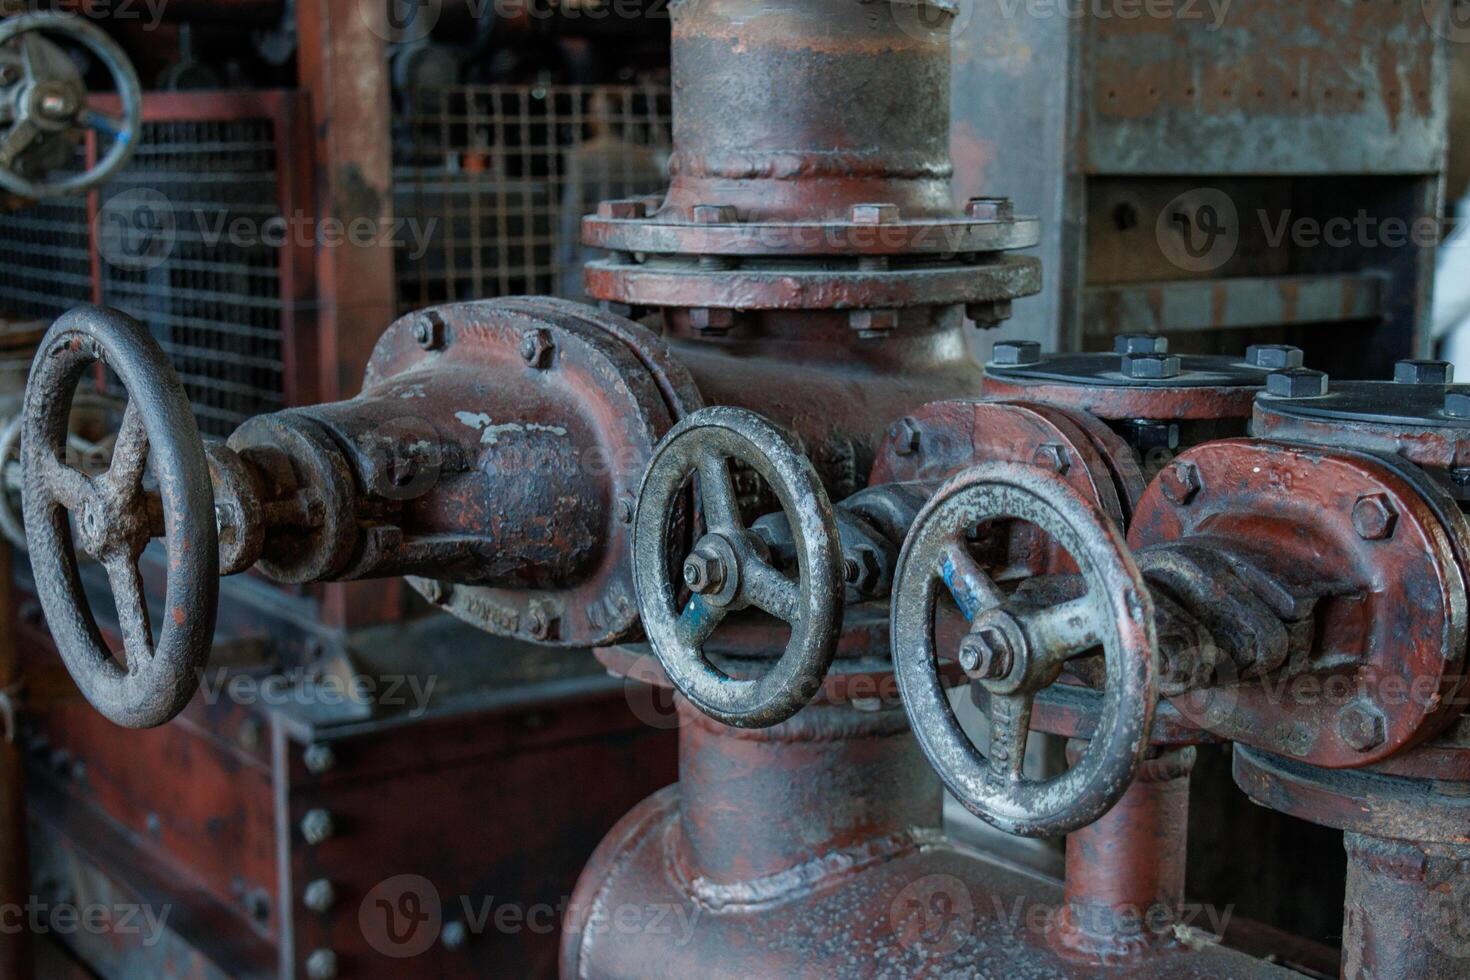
537	348
1140	343
624	210
874	214
1015	352
990	209
1052	458
863	571
321	964
1148	434
906	437
1273	357
872	323
714	214
988	316
1181	483
1457	404
986	654
436	591
428	330
1374	517
319	895
1421	372
704	573
541	622
319	758
1150	367
1362	726
317	826
1296	383
711	320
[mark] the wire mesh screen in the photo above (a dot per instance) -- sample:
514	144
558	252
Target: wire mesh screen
492	181
189	237
47	258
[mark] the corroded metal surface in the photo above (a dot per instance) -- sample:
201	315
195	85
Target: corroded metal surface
1021	651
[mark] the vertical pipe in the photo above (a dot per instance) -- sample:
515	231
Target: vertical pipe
1407	912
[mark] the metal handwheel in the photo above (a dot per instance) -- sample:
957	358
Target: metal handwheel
115	516
47	96
1016	651
728	569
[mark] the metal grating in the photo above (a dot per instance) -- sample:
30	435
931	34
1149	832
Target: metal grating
184	239
47	258
491	183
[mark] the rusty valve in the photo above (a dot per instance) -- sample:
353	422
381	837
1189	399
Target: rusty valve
729	569
1015	650
115	516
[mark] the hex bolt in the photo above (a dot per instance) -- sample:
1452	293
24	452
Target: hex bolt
1362	726
988	316
543	623
1374	517
714	214
990	209
428	330
319	895
1150	367
623	210
1296	383
874	214
1273	357
1148	434
1181	483
872	324
863	571
321	964
711	321
704	573
1140	343
627	508
986	654
1457	404
537	348
454	934
1015	353
906	437
1052	457
436	591
317	827
319	758
1423	372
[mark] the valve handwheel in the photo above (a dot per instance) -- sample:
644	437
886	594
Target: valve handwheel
48	97
1016	649
728	569
115	516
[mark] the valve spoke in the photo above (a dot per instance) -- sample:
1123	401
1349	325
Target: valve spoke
698	620
102	122
1010	723
1065	630
67	487
767	589
717	495
30	57
132	607
972	589
129	453
15	142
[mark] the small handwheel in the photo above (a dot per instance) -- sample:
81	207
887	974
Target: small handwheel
48	98
115	516
11	523
728	569
1016	649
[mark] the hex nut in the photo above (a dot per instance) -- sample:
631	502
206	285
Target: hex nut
906	437
321	964
1273	357
1296	383
537	347
428	330
319	895
1457	404
1181	483
317	826
704	573
990	209
1423	372
542	623
986	655
1374	517
1362	726
715	321
874	214
863	571
1140	343
1151	367
1015	353
623	210
714	214
1052	458
988	316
